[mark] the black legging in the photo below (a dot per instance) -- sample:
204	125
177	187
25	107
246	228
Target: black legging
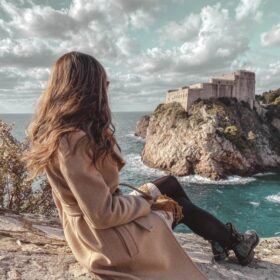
197	219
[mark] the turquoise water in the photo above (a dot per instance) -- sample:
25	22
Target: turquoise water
248	202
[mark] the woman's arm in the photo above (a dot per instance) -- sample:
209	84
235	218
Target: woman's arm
93	196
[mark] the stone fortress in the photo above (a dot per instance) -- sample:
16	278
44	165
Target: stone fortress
239	84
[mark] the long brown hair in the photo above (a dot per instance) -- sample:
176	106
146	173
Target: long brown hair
75	98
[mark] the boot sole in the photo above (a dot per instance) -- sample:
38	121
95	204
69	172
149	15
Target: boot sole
251	254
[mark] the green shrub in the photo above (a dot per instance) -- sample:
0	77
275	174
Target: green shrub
277	101
231	131
236	136
269	97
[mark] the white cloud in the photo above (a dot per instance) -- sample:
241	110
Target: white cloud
268	78
141	19
183	30
247	8
145	5
217	43
271	37
32	36
17	83
181	51
39	21
86	25
25	52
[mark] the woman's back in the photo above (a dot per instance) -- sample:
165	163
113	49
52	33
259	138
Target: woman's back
142	247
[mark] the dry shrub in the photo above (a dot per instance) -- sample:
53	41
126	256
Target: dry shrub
16	191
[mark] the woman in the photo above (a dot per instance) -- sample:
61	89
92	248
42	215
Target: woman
113	235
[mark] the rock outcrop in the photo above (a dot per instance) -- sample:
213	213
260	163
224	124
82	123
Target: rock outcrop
33	247
141	126
215	138
268	107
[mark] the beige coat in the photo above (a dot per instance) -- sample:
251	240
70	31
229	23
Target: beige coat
113	235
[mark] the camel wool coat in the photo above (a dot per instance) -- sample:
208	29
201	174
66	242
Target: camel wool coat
113	235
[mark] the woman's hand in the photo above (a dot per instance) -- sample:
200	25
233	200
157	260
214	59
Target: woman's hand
166	203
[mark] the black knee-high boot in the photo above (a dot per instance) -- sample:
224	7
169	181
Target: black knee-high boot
222	237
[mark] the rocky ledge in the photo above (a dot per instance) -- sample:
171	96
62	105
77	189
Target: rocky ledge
215	138
33	247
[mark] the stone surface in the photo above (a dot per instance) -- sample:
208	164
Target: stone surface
141	126
33	247
215	138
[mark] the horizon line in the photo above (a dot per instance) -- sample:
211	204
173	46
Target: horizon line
11	113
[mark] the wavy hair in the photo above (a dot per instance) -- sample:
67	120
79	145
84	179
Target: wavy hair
75	98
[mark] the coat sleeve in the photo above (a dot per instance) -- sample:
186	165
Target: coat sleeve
91	192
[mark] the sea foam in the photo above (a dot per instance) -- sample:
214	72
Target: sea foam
254	203
231	180
137	138
135	165
274	198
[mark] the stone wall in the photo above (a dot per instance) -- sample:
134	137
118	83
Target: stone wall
239	84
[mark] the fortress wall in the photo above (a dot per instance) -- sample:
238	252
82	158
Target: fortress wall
206	91
240	84
179	95
221	81
228	76
194	94
199	85
245	87
170	95
210	90
224	90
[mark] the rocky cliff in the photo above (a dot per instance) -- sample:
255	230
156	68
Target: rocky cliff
33	247
142	125
215	138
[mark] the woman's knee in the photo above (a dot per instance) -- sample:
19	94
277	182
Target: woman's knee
178	187
170	186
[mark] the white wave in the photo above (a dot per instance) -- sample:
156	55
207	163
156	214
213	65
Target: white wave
135	165
263	174
231	180
274	198
137	138
254	203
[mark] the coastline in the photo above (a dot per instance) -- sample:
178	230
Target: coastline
38	243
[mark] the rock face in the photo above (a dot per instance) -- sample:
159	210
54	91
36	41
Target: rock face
33	247
216	138
268	107
141	126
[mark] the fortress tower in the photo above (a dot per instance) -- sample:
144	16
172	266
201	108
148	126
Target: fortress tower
239	84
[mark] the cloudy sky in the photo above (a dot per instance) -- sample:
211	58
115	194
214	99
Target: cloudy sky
147	46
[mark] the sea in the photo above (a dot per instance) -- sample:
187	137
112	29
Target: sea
247	202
